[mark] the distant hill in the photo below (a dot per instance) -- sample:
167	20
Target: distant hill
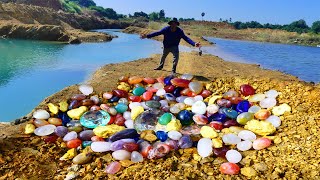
53	4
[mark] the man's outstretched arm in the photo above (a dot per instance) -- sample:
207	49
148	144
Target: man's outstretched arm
151	35
187	39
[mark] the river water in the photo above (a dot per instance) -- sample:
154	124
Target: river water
33	70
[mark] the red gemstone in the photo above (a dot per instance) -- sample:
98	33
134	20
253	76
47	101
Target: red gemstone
216	125
220	152
123	79
74	143
236	100
51	139
247	90
78	97
206	93
180	82
87	102
185	92
131	147
147	95
120	93
96	139
160	80
169	88
230	123
229	168
119	120
149	80
112	119
135	98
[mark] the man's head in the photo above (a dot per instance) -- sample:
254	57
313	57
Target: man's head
174	23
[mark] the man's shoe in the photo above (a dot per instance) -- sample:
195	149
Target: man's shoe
158	68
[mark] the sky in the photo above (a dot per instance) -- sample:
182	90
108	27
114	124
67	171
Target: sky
263	11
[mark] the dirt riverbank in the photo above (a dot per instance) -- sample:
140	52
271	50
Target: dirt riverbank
294	154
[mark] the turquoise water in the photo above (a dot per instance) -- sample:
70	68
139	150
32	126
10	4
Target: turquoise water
33	70
300	61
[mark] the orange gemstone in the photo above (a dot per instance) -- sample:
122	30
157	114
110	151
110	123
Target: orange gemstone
55	121
262	114
149	80
96	138
40	122
74	143
134	80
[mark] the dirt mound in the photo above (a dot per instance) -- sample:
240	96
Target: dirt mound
293	155
53	4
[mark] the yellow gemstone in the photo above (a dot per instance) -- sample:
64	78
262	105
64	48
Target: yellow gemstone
107	131
53	108
213	99
124	86
174	125
71	153
63	106
208	132
29	129
77	113
136	111
217	143
280	110
262	128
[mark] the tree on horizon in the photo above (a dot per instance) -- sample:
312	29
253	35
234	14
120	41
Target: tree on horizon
202	14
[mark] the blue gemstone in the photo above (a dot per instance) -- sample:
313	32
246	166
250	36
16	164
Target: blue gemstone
185	117
217	117
162	136
86	143
114	99
167	80
243	106
170	97
156	98
230	113
176	91
64	117
185	142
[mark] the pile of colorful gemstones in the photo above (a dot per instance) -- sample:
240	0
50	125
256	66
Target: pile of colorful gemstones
146	118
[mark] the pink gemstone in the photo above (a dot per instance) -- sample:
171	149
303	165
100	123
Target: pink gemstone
104	107
160	80
200	119
107	95
261	143
95	108
113	168
180	82
229	168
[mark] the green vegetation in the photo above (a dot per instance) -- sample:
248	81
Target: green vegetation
71	6
299	26
84	3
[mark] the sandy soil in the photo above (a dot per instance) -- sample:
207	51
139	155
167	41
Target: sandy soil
295	153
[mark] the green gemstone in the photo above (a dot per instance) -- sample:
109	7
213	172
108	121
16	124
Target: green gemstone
153	104
121	108
138	91
165	119
86	143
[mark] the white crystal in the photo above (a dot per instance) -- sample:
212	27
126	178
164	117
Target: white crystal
244	145
161	92
70	136
134	104
254	109
187	76
204	147
158	86
213	108
198	98
189	101
127	115
233	156
45	130
247	135
41	114
274	120
199	107
136	157
231	139
121	155
174	135
129	124
268	102
271	93
86	89
101	146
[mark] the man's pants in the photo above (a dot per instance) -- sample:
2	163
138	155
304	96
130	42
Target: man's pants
175	51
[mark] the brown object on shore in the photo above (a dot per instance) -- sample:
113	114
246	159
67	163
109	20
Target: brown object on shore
294	154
